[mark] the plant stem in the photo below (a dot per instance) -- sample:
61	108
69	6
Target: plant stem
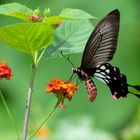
41	55
9	114
27	110
47	117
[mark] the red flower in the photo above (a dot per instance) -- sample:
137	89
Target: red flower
5	71
69	88
54	86
62	88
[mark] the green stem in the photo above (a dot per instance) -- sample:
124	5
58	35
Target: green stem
9	114
28	103
47	117
39	58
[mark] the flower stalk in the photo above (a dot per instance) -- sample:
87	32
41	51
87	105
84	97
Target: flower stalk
28	103
47	117
62	90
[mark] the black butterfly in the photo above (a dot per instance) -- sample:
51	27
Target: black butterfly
100	49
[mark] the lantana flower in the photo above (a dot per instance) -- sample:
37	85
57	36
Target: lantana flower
5	71
61	89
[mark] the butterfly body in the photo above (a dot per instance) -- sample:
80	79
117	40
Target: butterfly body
91	88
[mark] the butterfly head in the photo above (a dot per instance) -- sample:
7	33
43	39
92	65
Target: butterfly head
74	70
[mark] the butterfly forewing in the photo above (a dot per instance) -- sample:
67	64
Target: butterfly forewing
102	43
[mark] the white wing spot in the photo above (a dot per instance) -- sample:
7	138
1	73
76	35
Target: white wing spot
102	73
99	75
97	70
106	80
103	67
100	79
114	69
108	77
98	66
115	78
107	71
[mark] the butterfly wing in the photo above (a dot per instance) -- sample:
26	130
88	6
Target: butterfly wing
102	42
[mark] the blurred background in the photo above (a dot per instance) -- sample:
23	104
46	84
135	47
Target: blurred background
104	119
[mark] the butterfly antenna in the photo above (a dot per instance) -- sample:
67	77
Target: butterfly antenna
67	58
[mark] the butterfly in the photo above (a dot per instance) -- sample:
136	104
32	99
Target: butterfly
100	49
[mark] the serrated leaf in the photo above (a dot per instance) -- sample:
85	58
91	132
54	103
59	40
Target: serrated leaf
70	38
16	10
75	14
27	37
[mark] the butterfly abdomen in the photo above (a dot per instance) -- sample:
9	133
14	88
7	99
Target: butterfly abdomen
91	89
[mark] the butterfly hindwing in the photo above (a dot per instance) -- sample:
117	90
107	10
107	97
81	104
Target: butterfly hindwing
111	76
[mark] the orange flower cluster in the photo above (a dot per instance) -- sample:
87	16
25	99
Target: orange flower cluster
5	71
65	89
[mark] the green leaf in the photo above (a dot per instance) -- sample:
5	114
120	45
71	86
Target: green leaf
75	14
27	37
55	19
70	37
16	10
68	14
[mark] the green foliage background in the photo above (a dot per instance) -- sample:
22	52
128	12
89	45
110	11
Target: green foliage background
119	119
